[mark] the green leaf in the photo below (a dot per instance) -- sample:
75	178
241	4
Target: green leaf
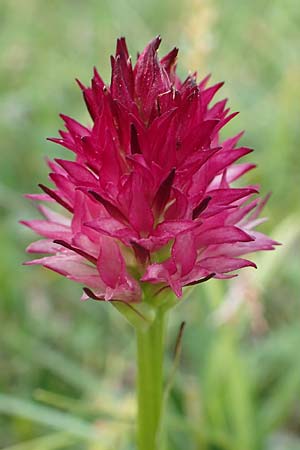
48	416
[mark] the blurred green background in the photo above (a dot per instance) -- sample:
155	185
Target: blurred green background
67	368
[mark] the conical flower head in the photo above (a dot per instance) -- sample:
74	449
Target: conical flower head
148	195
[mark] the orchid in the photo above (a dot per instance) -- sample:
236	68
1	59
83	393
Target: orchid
149	204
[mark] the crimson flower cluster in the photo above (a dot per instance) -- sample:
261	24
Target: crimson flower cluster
148	198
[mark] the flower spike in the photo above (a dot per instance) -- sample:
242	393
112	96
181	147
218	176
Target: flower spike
149	196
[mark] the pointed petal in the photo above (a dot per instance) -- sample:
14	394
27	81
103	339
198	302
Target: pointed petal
151	78
223	264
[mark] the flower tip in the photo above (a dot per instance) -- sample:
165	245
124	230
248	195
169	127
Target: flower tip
96	77
28	263
177	290
64	117
90	294
24	222
201	280
59	161
275	243
59	242
87	292
121	45
205	80
55	140
85	296
26	196
81	85
44	188
156	42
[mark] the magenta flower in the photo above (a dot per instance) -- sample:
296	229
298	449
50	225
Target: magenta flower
148	198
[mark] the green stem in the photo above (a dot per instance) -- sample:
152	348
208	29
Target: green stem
150	350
